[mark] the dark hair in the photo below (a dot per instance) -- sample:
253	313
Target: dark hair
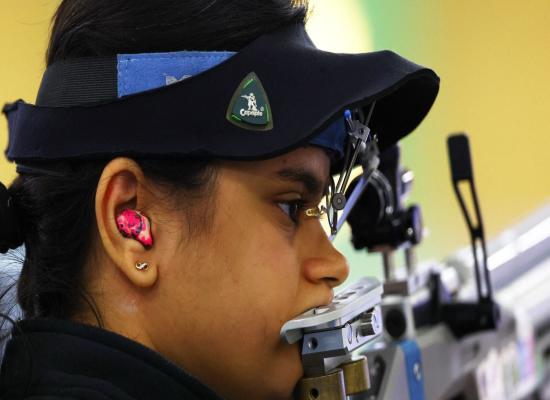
56	210
106	27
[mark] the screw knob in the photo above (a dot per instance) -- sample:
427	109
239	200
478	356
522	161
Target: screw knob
369	324
338	201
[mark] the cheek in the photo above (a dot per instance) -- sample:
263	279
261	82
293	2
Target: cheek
259	286
236	287
264	275
237	278
255	260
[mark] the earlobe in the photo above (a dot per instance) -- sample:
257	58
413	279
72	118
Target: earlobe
142	274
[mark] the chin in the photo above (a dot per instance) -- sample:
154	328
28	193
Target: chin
284	374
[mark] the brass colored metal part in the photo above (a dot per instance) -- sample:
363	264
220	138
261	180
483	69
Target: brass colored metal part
316	212
324	387
356	376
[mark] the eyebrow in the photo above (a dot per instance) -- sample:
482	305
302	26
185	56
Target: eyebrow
312	184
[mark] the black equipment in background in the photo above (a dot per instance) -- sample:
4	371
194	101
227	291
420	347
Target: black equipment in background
381	223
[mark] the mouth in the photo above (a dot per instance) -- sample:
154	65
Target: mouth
325	303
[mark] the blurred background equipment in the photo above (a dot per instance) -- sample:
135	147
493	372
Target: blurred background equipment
473	327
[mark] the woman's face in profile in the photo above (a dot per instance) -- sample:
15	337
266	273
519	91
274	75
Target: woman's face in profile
224	293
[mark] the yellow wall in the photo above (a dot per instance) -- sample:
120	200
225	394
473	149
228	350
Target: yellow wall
493	57
24	26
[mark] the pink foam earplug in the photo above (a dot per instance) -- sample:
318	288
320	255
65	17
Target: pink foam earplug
133	224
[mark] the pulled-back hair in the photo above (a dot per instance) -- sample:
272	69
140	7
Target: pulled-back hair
56	209
106	27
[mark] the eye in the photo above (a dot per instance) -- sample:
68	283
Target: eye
292	209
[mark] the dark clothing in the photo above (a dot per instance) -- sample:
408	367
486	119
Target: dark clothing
51	359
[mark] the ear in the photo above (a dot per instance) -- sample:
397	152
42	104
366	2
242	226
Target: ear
122	185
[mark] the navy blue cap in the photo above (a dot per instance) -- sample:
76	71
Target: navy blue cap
138	73
299	92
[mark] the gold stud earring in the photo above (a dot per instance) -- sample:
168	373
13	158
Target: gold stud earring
142	266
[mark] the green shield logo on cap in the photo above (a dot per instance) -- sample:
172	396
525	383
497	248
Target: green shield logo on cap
249	108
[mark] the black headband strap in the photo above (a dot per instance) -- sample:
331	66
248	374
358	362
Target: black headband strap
79	82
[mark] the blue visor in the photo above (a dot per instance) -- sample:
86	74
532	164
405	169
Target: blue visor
141	72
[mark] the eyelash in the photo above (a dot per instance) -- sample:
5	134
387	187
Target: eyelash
292	209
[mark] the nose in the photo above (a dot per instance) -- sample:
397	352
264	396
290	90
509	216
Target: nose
322	263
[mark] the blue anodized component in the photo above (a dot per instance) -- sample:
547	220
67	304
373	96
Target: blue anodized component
413	364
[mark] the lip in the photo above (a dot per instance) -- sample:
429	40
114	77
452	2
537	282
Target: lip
330	297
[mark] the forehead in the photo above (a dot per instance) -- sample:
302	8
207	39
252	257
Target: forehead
309	165
311	157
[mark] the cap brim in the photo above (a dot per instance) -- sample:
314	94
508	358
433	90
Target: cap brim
307	90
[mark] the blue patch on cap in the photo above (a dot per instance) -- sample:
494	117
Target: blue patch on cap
141	72
333	137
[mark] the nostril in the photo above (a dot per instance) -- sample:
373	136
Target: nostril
332	282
